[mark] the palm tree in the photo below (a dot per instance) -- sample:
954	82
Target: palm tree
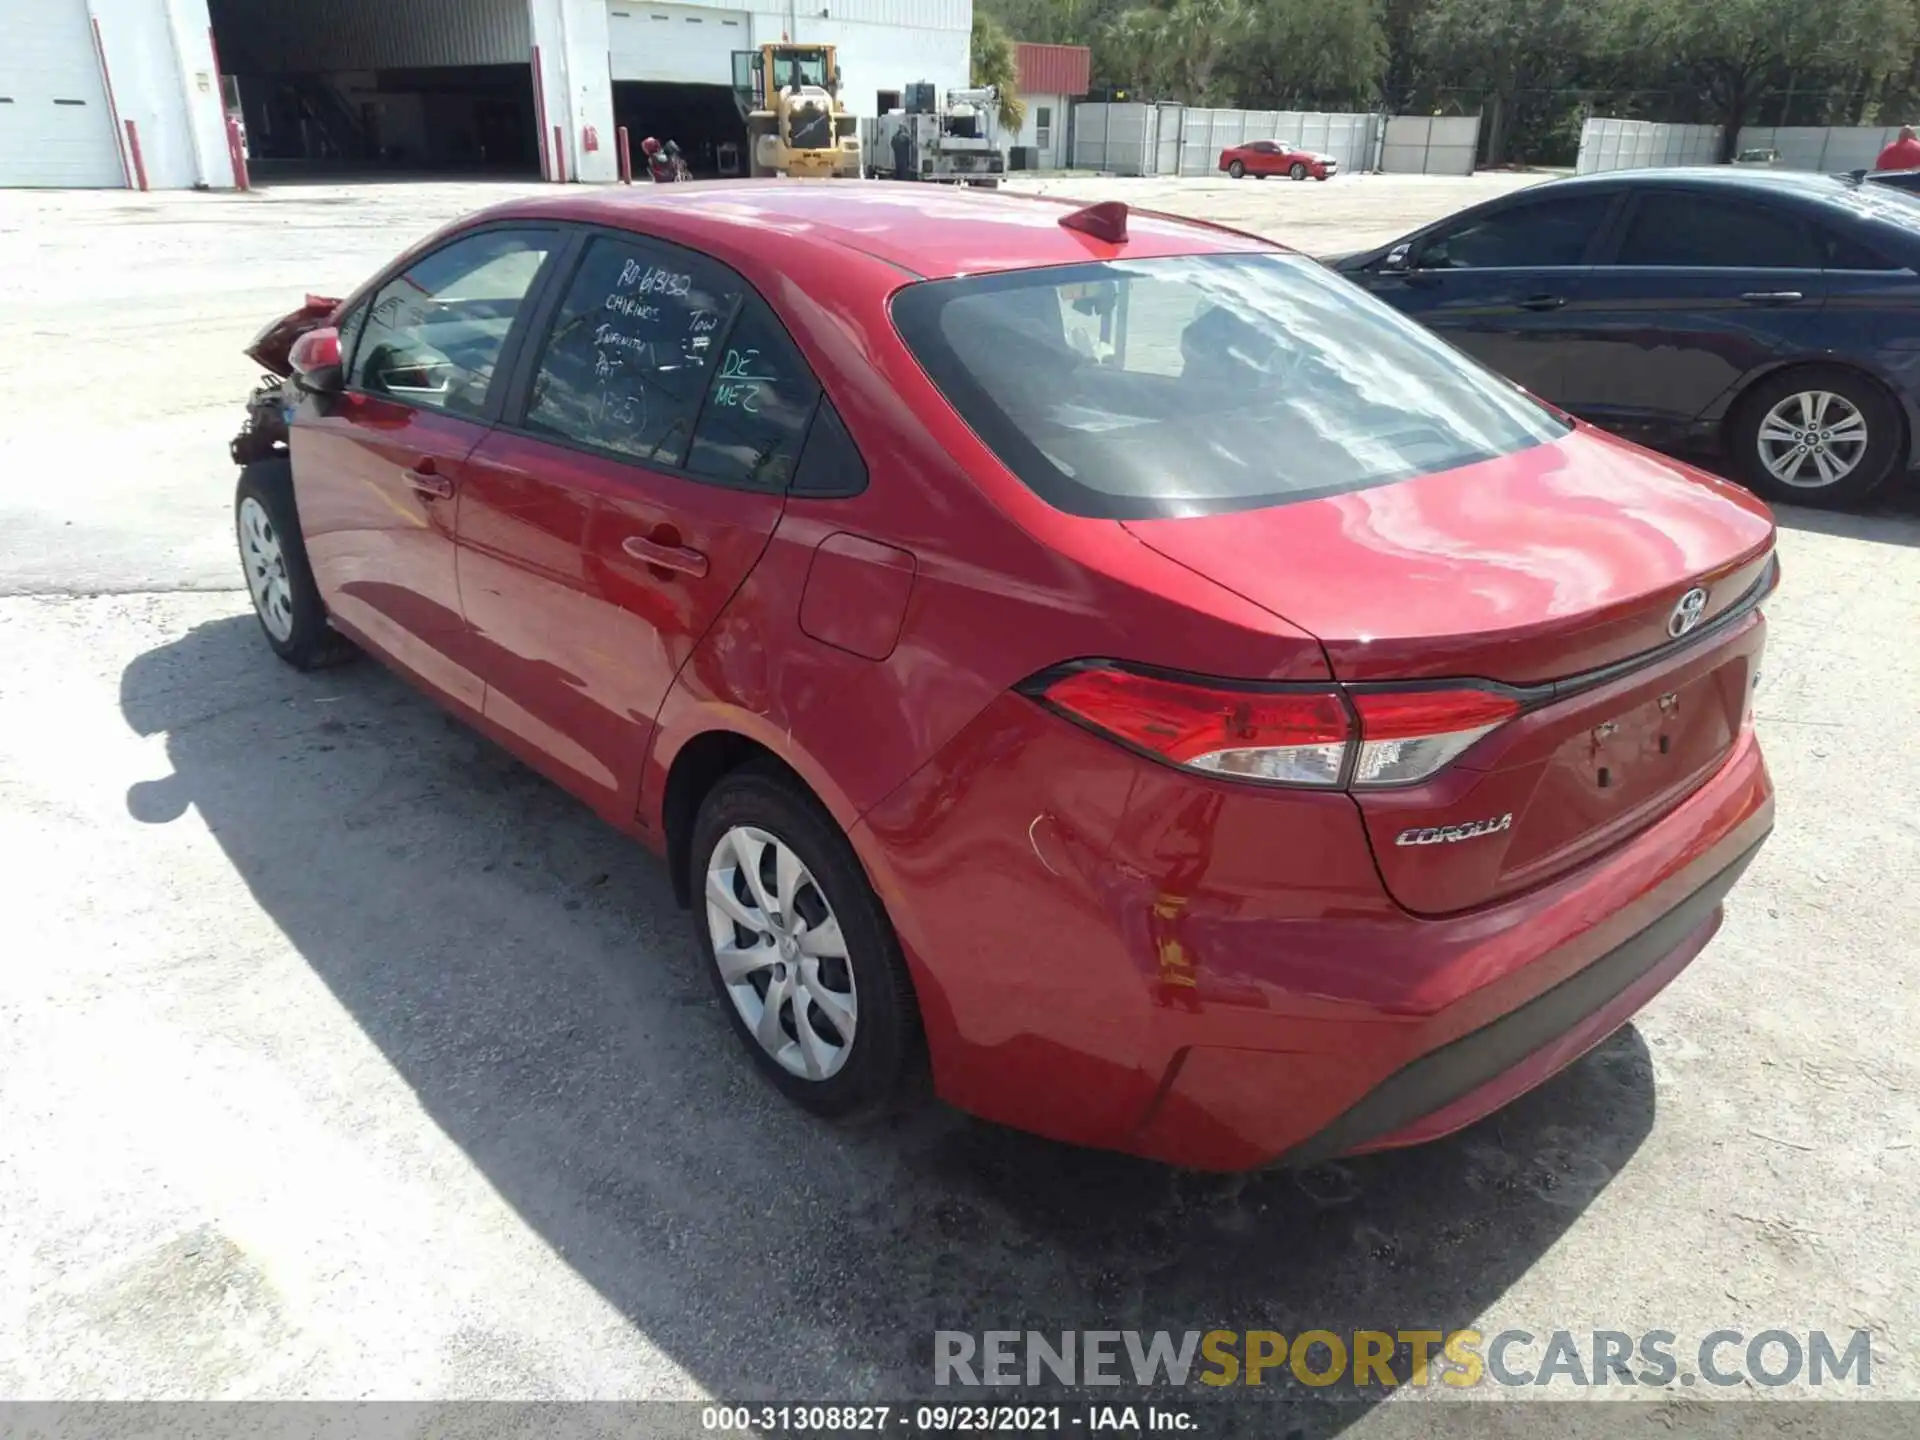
995	64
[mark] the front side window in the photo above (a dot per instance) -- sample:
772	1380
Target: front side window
631	350
1700	231
1194	385
1534	236
432	335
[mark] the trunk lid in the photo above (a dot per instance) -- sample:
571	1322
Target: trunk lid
271	347
1557	570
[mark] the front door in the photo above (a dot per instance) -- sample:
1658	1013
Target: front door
378	469
1703	291
633	484
1495	282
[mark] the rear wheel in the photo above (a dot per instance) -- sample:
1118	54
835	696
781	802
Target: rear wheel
273	556
1297	170
1237	170
1817	436
800	950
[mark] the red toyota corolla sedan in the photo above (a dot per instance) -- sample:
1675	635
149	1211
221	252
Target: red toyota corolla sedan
1107	664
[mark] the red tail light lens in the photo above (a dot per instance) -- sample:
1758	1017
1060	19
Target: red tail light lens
1282	737
1406	735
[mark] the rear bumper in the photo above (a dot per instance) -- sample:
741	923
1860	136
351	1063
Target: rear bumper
1123	955
1471	1077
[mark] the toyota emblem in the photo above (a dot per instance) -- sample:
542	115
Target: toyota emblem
1688	613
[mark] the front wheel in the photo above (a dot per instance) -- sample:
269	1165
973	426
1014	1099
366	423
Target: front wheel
1817	436
1297	170
1237	170
273	555
800	950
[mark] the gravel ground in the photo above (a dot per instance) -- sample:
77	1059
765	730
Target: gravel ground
340	1056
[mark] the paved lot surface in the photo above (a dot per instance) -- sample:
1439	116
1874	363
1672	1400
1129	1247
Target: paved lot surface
339	1056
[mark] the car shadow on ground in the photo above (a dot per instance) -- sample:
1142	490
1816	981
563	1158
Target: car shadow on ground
526	973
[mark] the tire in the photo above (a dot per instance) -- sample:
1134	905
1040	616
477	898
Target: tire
1237	170
754	814
1297	171
1771	416
273	558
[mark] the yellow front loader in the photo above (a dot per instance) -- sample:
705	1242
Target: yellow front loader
796	125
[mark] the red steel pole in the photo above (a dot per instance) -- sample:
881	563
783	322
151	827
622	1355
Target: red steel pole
626	159
559	156
113	106
237	152
133	146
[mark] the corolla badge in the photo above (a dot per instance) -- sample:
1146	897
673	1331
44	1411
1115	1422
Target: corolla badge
1453	834
1688	613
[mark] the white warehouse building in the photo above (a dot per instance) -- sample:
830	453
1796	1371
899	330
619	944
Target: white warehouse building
139	93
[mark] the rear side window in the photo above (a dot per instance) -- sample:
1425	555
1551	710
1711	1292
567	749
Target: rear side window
1687	228
1200	384
1541	234
432	336
759	403
1843	252
631	350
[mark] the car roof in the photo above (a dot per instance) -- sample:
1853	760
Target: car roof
1798	182
927	230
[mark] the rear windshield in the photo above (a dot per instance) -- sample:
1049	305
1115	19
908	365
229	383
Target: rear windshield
1200	384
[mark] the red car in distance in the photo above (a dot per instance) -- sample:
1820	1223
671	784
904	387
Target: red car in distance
1261	158
919	575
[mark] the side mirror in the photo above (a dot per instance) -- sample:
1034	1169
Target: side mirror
315	359
1399	260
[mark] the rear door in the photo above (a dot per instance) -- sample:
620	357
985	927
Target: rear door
1705	287
1496	281
634	481
378	469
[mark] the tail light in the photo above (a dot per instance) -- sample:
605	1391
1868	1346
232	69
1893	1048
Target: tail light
1406	735
1314	735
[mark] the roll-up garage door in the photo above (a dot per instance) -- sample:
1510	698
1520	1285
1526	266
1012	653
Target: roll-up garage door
689	44
55	128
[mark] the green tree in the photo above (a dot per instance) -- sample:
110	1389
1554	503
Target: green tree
1733	51
1300	54
1504	47
994	63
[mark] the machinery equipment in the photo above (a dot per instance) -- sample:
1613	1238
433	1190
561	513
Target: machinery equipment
957	143
796	125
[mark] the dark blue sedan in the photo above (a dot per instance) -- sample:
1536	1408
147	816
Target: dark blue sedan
1769	318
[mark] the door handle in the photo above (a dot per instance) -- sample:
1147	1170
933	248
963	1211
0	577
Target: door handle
425	480
1772	297
666	557
1542	302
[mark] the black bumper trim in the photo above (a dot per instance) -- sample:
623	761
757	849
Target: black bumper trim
1442	1076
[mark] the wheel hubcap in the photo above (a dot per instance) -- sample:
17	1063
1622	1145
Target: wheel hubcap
1813	439
780	952
266	566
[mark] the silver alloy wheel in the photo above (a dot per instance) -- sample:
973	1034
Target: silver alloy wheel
266	566
780	952
1813	439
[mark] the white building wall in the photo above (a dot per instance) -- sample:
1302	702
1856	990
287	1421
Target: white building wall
1053	153
574	86
160	68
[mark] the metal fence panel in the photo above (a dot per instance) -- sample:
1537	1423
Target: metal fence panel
1830	148
1430	144
1607	144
